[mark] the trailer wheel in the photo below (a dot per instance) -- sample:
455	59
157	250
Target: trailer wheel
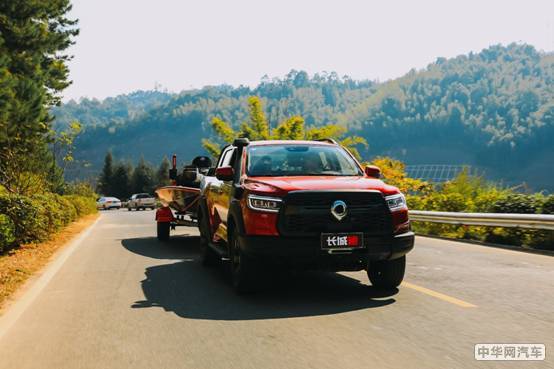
163	231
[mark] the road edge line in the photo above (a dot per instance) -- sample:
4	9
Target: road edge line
17	308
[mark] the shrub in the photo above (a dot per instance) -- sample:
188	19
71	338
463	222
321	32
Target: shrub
472	194
7	232
83	205
518	203
415	202
25	219
24	216
69	211
448	202
83	189
548	205
49	215
484	201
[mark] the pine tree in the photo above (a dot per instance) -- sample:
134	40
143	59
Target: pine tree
143	177
162	175
105	182
122	180
33	71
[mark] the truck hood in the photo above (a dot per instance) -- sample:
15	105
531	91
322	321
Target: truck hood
282	185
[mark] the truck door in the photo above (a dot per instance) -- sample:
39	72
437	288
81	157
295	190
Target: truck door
226	190
220	192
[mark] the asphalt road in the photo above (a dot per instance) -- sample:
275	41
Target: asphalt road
121	299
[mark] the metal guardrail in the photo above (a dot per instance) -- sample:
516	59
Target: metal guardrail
531	221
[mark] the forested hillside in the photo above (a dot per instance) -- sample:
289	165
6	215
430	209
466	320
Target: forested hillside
493	110
111	111
179	125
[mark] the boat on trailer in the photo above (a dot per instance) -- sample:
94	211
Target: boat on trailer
180	199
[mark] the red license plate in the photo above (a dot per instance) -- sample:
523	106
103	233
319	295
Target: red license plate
342	240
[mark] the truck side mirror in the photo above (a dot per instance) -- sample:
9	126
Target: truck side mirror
373	171
225	173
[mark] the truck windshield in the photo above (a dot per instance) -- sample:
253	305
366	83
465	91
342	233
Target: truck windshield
300	160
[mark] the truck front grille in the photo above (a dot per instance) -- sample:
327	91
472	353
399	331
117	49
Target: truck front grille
308	213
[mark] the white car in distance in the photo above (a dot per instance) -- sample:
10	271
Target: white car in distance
107	203
141	201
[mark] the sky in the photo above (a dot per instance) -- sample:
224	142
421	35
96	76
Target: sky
128	45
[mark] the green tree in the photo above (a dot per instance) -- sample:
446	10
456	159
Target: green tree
33	72
105	181
63	144
257	127
293	128
62	147
143	177
162	174
122	180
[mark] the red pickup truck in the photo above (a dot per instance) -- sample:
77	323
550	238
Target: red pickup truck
304	205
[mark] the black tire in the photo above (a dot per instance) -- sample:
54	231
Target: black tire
208	256
244	270
163	231
387	274
128	208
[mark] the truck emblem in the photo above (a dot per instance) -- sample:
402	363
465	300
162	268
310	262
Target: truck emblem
338	209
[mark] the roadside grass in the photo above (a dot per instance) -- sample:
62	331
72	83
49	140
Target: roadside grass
18	265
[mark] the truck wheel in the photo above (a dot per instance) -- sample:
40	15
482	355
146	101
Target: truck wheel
208	256
129	208
243	268
163	231
387	274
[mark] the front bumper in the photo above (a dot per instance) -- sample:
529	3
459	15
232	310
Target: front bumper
307	253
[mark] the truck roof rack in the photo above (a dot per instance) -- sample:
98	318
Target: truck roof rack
328	140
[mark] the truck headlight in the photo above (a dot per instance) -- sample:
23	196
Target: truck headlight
396	202
263	203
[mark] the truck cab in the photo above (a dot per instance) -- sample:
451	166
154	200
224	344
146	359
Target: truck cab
303	205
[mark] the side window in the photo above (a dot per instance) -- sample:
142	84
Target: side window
228	158
232	158
223	158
